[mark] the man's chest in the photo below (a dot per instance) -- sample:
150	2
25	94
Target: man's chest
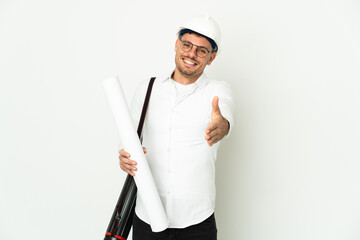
188	113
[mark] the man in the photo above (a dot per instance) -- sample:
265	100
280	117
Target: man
188	115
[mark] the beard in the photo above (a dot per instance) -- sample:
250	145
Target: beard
190	73
187	73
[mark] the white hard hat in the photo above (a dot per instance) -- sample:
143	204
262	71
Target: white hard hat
206	26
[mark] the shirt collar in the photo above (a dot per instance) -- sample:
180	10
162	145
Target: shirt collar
201	81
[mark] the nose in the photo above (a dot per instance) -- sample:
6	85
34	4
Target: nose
192	52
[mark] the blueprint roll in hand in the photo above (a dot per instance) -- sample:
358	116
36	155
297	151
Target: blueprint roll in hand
144	181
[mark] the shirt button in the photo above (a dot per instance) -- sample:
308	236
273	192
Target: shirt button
169	171
169	192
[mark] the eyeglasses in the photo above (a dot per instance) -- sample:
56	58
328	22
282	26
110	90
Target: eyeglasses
187	46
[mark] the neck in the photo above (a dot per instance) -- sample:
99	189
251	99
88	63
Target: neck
181	78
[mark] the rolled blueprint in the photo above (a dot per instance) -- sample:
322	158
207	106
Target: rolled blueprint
129	139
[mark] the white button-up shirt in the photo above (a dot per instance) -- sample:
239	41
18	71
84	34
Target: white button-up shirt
180	160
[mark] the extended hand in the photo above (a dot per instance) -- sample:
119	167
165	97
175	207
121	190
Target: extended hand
218	126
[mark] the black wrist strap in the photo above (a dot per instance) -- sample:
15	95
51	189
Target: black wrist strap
146	103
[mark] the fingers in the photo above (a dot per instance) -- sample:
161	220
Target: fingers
126	164
210	128
213	137
216	130
210	134
124	153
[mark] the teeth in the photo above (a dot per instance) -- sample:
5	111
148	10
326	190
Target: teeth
188	62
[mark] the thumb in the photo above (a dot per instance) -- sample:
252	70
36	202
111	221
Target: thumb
215	105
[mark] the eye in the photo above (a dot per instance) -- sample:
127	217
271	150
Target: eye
203	51
186	45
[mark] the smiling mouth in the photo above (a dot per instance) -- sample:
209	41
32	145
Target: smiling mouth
189	62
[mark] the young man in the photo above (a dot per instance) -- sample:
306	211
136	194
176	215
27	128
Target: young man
188	115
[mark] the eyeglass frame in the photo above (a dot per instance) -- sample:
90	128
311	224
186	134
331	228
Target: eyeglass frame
197	47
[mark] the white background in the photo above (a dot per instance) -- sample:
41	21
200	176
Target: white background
289	171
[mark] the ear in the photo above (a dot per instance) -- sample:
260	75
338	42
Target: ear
212	57
176	44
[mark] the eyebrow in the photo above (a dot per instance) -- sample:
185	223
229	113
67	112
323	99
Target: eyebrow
196	45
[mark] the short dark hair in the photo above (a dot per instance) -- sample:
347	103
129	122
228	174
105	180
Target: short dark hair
186	30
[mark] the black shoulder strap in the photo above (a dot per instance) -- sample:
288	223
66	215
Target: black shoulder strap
146	103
